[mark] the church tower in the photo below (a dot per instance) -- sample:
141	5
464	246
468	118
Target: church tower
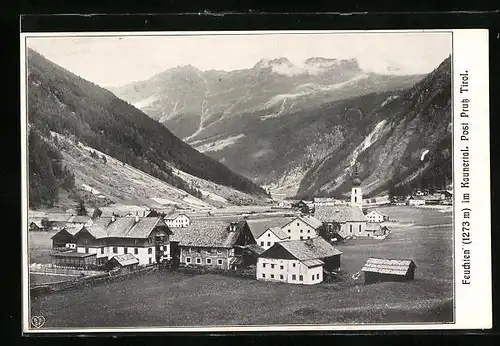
356	191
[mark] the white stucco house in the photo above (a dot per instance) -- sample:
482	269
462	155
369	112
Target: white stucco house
299	262
376	216
176	220
302	227
270	237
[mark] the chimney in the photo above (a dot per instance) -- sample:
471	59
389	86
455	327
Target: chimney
232	227
113	218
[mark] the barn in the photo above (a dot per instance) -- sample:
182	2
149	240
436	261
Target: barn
381	270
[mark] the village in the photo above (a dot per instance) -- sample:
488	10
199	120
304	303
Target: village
299	244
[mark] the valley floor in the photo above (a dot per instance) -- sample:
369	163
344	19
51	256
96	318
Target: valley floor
177	299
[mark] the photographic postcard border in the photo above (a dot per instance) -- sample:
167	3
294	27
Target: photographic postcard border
234	328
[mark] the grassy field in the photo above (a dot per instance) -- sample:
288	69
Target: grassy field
40	245
175	299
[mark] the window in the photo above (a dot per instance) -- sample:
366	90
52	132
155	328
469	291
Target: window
301	231
312	277
301	278
281	267
125	250
150	260
209	261
301	237
268	243
102	250
188	259
294	265
272	266
317	276
308	231
294	277
269	234
298	224
281	277
308	237
261	243
115	250
272	276
350	228
289	231
136	251
263	265
219	261
150	250
359	227
86	250
198	260
263	275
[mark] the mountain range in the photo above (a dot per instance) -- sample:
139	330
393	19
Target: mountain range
297	130
63	105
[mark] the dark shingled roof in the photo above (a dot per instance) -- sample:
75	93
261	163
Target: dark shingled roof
339	213
207	233
387	266
310	249
278	232
124	227
259	226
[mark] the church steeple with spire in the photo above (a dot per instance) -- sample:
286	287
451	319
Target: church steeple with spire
356	191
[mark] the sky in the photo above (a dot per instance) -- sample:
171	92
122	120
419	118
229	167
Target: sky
119	60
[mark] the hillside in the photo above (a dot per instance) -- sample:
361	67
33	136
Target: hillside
104	180
406	143
64	103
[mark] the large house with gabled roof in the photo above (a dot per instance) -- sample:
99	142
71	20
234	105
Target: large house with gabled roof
213	243
146	238
298	261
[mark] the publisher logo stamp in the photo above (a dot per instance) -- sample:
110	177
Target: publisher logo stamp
37	321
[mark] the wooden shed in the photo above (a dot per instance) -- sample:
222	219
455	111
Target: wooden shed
124	263
74	259
381	270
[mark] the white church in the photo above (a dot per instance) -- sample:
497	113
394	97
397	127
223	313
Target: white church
350	215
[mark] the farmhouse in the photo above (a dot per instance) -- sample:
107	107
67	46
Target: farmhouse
36	225
213	243
322	201
415	201
146	238
125	263
298	262
270	236
175	220
74	259
379	270
65	238
376	230
79	220
350	217
376	216
302	227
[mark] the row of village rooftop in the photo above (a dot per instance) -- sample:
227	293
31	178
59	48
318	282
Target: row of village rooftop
296	249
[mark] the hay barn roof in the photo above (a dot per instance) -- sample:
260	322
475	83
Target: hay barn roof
388	266
339	213
125	227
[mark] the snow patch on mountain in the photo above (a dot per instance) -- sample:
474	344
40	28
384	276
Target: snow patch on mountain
218	144
147	102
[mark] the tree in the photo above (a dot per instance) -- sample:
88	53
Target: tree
104	159
97	213
80	208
